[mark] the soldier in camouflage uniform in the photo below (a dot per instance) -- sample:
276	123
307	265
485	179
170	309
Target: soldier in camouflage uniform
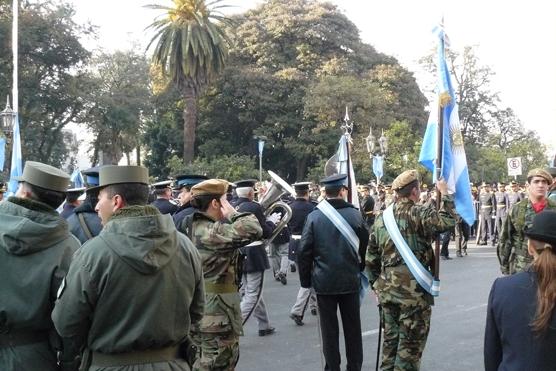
219	231
501	209
512	247
405	304
513	195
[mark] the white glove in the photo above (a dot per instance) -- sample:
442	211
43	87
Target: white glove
274	218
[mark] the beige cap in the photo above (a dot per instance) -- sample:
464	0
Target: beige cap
210	187
404	179
539	172
113	174
44	176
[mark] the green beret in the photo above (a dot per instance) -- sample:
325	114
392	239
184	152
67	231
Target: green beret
541	173
404	179
210	187
44	176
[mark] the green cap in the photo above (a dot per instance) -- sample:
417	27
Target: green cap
113	174
44	176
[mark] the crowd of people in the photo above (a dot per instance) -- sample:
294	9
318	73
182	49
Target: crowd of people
81	265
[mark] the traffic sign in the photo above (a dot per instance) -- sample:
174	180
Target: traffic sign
514	166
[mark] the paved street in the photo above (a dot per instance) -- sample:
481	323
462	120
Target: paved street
455	341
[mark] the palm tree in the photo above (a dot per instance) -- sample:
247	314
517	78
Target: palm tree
192	49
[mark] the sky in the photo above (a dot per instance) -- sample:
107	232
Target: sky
516	39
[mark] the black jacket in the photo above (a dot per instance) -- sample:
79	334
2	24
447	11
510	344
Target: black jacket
90	217
326	260
510	343
164	206
181	213
300	209
256	259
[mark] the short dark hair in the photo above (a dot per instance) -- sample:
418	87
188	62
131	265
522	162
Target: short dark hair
132	193
202	202
405	191
71	197
333	191
301	193
52	198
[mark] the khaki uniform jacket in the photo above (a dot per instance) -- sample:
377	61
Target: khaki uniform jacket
137	286
35	254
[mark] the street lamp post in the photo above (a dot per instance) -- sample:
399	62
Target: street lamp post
7	120
260	142
377	153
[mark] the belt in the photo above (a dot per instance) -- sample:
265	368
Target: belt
501	205
296	236
486	207
134	358
220	288
12	339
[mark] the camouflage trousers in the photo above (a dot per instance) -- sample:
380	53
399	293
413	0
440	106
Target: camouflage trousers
405	333
217	351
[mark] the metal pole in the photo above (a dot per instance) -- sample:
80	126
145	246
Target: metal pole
15	25
439	150
260	166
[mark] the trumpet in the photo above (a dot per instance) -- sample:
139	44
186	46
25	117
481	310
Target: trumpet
271	201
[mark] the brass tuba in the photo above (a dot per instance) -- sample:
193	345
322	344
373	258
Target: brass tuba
271	200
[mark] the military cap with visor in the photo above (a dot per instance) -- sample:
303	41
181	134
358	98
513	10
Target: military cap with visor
246	183
210	187
44	176
90	176
404	179
544	227
540	173
187	180
301	186
163	185
336	180
113	174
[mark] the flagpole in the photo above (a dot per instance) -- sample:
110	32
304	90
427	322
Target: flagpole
350	195
15	27
439	151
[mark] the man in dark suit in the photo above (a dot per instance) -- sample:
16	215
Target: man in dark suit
163	192
331	265
84	223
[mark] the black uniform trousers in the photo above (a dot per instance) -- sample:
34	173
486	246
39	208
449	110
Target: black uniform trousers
351	323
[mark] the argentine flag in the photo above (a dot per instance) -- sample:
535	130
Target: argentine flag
454	163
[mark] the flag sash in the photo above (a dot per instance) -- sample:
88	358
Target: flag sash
420	273
349	234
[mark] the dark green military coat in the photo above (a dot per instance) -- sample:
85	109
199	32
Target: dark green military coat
35	254
387	270
512	247
137	286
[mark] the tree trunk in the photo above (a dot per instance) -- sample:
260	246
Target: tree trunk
301	169
189	124
138	155
128	158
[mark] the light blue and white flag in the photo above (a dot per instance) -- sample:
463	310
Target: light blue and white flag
378	166
17	159
454	163
77	179
345	166
2	153
261	147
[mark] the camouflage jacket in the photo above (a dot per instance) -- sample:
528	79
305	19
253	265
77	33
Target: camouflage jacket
386	268
512	247
218	243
